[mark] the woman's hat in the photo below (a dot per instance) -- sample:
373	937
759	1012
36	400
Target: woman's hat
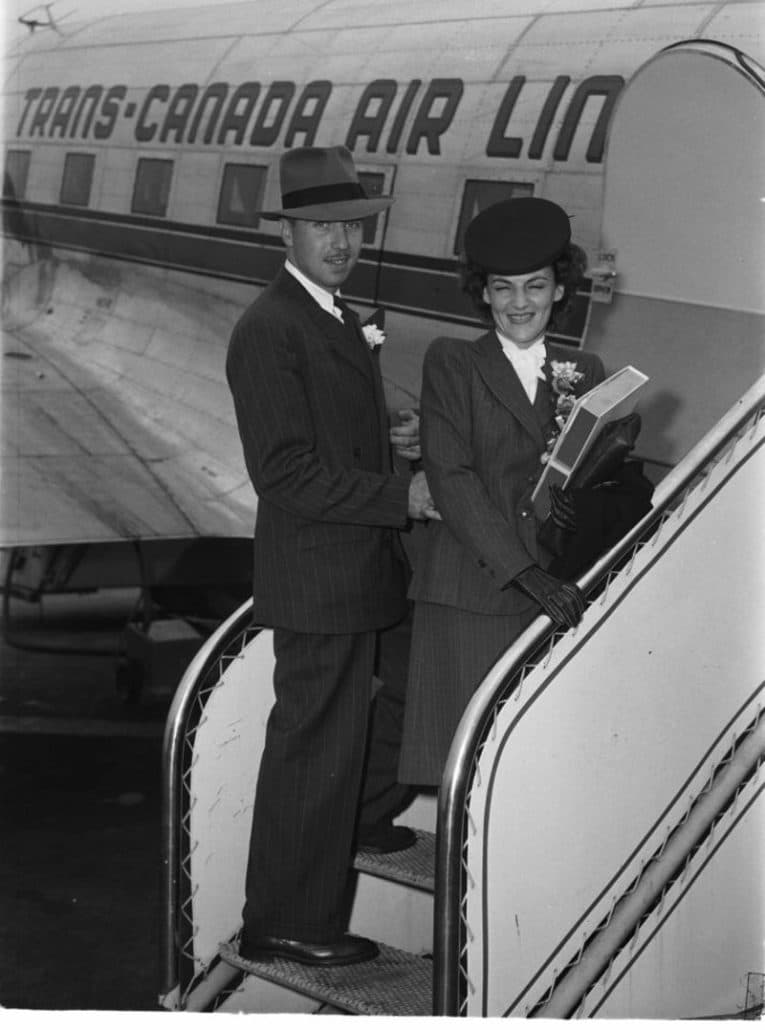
321	184
518	236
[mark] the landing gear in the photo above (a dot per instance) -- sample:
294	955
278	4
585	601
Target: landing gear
155	656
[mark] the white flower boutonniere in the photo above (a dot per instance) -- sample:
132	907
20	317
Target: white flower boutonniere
565	376
375	337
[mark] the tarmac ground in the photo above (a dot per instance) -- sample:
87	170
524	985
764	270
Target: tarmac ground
80	800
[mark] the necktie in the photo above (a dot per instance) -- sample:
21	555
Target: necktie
341	309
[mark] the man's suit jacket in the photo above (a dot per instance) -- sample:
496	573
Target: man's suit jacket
482	440
312	419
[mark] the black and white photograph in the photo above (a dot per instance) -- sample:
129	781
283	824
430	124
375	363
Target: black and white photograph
382	536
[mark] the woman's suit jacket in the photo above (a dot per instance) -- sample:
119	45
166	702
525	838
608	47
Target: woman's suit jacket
314	427
482	441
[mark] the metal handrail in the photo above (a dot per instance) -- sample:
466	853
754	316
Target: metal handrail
200	667
456	780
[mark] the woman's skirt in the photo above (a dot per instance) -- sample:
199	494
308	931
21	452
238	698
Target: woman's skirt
452	650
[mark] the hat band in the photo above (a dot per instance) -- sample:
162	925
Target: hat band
331	193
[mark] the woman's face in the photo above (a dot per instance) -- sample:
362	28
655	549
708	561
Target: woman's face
521	304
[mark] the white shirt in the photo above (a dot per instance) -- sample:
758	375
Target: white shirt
323	297
527	362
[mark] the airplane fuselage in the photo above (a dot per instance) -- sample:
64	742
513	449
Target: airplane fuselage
140	149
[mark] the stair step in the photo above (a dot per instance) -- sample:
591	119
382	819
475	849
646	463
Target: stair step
396	983
414	866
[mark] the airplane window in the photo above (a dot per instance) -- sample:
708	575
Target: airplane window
77	180
152	186
374	184
241	195
15	174
481	193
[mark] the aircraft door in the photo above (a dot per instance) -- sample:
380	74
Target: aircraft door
684	214
684	185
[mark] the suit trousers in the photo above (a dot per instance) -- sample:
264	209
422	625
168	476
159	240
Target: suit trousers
382	796
310	778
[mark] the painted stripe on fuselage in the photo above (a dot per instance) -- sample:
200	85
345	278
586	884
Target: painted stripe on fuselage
422	286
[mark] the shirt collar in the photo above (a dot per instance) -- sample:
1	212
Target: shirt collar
527	362
511	348
323	297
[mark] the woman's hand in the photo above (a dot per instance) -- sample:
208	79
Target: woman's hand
562	601
562	510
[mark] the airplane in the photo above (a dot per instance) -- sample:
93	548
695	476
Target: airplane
138	154
134	174
133	177
139	150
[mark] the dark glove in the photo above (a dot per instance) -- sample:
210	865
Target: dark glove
559	527
562	509
562	601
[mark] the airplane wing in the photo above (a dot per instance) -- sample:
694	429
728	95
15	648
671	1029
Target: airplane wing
116	421
118	434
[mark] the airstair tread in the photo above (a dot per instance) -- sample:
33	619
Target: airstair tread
396	983
414	866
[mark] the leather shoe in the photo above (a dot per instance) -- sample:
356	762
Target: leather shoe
384	838
343	951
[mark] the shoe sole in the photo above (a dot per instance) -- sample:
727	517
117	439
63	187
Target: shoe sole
268	955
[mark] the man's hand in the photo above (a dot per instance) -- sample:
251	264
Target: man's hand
420	502
405	437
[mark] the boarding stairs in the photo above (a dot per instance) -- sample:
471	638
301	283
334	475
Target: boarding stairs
595	848
393	894
396	983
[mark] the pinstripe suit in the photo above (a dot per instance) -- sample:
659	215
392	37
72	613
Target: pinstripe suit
481	443
329	573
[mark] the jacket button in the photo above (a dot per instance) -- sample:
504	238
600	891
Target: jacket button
524	513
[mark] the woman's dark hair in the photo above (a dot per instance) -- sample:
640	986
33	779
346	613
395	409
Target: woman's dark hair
568	268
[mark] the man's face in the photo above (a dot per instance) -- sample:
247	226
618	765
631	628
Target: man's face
325	252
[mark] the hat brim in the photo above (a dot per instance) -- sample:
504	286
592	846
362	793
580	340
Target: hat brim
333	211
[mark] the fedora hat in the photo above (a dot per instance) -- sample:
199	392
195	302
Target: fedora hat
321	184
518	236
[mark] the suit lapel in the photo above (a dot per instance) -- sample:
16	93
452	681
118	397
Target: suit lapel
499	376
372	364
545	402
343	340
357	347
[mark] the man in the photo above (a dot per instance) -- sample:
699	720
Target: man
330	575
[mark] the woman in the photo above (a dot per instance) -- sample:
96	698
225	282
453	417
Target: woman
488	420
